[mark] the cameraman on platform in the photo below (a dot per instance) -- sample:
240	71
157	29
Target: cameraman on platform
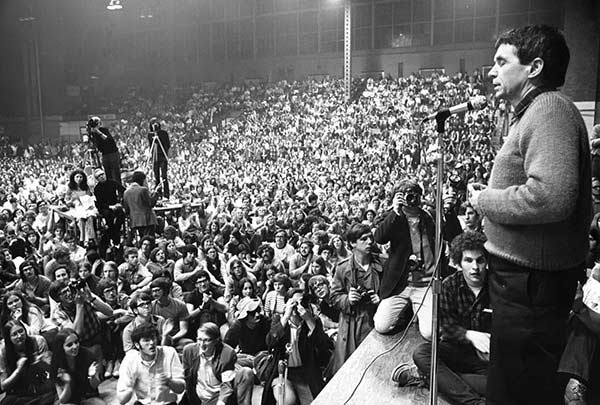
411	233
111	161
159	149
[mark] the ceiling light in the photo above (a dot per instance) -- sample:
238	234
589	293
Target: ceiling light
114	5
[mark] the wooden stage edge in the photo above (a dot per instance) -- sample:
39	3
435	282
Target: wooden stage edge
376	386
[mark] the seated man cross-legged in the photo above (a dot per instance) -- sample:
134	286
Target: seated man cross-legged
463	350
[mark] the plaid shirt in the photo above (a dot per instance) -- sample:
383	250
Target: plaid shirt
460	310
64	318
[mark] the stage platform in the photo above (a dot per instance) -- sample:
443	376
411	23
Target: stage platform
376	387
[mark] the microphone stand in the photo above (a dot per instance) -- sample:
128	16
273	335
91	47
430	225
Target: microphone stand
440	119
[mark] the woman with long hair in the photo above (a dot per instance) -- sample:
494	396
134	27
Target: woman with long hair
33	285
233	283
75	371
81	209
24	364
339	249
17	308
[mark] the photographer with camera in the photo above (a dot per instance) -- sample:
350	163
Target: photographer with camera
298	336
159	142
411	233
111	161
76	309
355	292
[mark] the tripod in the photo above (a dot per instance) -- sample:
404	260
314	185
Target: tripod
91	158
154	156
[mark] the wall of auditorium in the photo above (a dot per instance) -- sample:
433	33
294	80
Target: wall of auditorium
363	63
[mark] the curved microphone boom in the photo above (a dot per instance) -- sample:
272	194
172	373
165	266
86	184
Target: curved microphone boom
474	103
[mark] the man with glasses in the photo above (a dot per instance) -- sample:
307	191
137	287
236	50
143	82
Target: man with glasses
152	373
76	309
329	314
170	308
206	304
212	377
140	305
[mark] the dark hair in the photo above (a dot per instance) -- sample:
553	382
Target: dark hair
544	42
138	177
265	248
55	289
5	315
468	240
28	263
163	283
144	331
140	296
59	358
72	185
282	279
105	283
356	231
408	185
241	283
9	347
154	252
188	249
150	239
130	251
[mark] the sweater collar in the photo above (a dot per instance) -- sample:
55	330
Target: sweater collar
526	102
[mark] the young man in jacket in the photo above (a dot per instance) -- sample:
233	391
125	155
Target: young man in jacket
211	375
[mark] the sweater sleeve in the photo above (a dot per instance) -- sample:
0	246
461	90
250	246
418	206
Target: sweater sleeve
549	147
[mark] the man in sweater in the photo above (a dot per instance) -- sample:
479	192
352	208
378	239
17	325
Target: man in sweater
537	211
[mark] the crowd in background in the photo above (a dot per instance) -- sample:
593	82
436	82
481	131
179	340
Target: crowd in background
269	178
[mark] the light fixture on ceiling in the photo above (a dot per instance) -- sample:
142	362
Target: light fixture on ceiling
114	5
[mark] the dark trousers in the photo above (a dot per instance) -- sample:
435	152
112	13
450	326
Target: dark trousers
453	361
114	225
112	166
160	174
581	352
530	310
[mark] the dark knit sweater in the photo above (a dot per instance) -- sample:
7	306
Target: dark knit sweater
538	204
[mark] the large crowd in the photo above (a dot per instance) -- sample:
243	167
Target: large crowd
271	184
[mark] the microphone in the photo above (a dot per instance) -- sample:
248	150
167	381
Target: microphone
474	103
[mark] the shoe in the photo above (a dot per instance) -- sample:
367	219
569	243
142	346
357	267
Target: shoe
406	375
109	369
575	392
116	368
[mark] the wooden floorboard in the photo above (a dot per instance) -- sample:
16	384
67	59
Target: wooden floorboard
376	387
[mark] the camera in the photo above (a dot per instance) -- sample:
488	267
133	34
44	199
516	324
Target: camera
365	295
78	284
412	199
414	263
92	123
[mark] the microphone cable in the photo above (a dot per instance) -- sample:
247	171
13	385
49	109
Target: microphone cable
362	376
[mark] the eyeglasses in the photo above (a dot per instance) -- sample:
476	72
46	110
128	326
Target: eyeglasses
144	304
207	340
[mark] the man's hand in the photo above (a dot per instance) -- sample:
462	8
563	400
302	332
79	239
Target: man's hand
289	308
474	189
93	369
353	296
480	340
375	298
398	202
162	380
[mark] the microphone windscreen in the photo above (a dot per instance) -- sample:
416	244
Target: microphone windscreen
478	102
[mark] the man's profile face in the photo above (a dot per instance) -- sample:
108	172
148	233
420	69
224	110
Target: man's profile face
474	267
364	243
509	76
